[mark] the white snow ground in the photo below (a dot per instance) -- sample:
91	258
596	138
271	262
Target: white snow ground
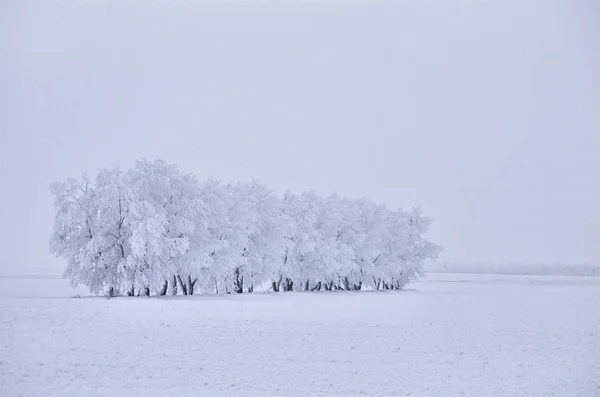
449	335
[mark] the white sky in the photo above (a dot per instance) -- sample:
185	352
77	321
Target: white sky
484	113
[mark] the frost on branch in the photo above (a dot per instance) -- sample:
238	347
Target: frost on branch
154	229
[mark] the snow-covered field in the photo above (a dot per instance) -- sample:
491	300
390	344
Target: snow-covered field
448	335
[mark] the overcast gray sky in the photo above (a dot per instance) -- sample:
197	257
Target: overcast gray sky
484	113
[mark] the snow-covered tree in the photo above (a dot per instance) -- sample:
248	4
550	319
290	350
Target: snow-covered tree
160	243
267	229
210	242
154	227
93	227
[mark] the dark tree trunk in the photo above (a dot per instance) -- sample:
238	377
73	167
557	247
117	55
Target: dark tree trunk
317	287
330	286
307	286
358	287
111	292
385	286
182	284
277	284
191	284
289	285
238	282
326	286
174	286
147	291
163	291
131	292
251	288
346	284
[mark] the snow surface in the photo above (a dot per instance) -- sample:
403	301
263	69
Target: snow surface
448	335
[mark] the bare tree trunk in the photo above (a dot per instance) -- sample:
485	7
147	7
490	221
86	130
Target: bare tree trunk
238	282
277	284
163	291
174	286
307	286
289	285
251	288
147	291
358	287
111	292
191	284
330	286
385	286
346	284
317	287
378	284
131	292
182	284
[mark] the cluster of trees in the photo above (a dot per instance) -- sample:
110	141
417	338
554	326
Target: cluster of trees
154	229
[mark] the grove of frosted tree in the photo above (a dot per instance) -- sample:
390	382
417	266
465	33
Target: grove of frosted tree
154	229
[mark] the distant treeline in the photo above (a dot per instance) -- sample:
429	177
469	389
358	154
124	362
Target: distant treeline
515	268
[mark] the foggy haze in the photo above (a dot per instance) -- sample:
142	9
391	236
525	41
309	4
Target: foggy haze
483	113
